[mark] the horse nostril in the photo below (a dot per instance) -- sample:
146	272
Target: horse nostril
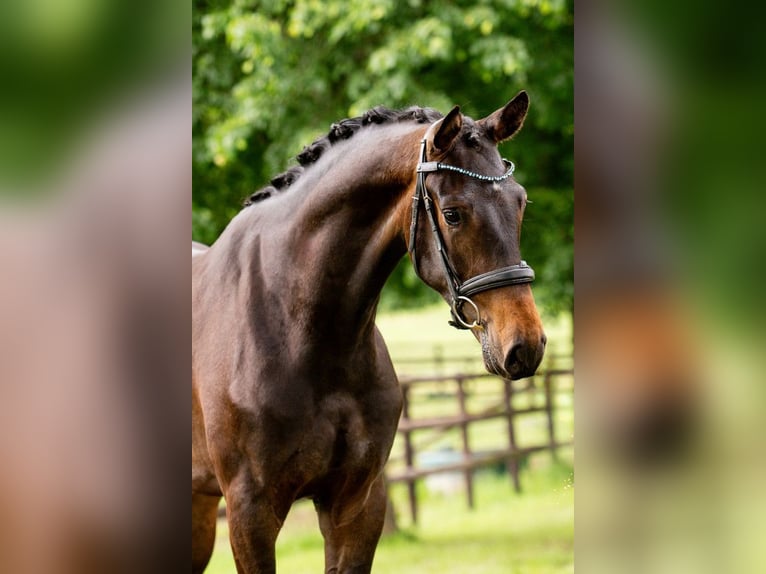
544	339
523	358
513	363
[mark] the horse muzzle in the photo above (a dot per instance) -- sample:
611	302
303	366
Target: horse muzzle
519	360
512	337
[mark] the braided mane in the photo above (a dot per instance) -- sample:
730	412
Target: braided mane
341	130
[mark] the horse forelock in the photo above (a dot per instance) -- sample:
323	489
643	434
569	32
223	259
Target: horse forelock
339	131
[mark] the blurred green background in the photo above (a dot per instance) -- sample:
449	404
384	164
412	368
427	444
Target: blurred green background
270	77
66	66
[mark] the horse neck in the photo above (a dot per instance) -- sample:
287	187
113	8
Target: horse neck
348	229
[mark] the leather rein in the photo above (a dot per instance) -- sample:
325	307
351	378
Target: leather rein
460	292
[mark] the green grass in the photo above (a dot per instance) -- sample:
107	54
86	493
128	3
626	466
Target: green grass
505	532
527	533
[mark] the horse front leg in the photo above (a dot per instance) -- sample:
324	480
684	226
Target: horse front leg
253	527
204	518
350	547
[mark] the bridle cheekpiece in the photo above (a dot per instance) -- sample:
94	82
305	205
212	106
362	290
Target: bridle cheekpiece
460	292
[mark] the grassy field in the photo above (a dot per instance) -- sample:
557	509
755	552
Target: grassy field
527	533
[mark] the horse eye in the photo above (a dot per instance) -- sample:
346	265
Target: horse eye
451	216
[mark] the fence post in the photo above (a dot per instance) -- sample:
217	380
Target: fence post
468	472
408	455
513	462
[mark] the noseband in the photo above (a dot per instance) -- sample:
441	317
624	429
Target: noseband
460	292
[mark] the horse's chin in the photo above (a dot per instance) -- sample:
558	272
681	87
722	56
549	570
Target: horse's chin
490	358
491	365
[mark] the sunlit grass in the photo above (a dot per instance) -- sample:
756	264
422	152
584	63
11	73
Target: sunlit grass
506	532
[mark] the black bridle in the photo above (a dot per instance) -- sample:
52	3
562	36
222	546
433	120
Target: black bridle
460	292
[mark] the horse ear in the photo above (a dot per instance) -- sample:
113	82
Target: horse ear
505	122
446	130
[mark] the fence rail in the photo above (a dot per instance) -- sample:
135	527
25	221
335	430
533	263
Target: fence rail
471	460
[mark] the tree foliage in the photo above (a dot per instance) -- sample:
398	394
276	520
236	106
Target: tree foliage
270	76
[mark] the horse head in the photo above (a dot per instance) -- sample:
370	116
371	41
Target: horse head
465	233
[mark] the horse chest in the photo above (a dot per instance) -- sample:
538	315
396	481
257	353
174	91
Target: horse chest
346	432
342	438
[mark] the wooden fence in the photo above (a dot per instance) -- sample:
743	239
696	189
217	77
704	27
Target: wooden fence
541	392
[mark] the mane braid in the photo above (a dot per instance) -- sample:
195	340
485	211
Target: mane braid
341	130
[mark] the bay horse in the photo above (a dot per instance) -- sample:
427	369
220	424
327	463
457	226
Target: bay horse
293	392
